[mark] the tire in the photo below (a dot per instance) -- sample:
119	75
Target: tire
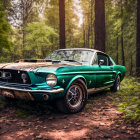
116	86
75	99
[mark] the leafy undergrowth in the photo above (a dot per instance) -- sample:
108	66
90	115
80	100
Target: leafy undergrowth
128	99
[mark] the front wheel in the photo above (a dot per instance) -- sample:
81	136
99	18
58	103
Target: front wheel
75	98
116	86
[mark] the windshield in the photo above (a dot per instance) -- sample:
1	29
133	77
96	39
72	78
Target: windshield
79	56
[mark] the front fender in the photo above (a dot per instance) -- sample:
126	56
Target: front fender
72	80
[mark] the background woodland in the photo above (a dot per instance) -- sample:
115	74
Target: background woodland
34	28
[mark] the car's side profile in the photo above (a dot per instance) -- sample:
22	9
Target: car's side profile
67	76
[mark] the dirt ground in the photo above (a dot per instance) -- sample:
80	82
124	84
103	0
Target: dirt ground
99	120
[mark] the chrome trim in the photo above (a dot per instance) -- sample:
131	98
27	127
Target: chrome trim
34	91
3	75
94	90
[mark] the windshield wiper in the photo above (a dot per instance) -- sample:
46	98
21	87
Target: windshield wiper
73	61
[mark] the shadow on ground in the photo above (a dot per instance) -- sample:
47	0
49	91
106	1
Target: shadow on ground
21	120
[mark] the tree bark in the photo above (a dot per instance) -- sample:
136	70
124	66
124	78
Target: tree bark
131	65
92	26
122	44
138	40
117	48
100	25
62	37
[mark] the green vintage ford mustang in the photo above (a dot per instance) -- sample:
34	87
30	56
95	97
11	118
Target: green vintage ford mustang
67	76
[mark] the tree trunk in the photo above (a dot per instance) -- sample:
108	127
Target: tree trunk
122	44
100	25
62	24
23	41
117	48
84	35
88	31
131	65
92	25
138	40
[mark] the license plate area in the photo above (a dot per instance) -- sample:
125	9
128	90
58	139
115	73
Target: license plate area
23	95
17	94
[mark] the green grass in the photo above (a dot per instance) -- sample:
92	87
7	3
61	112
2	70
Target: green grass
88	106
22	113
128	99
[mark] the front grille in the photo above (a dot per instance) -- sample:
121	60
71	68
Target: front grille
16	85
13	76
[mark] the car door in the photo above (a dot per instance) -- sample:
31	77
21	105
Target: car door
104	72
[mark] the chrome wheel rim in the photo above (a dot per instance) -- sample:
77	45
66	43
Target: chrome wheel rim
74	96
118	83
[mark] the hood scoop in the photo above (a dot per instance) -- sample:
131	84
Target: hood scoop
32	60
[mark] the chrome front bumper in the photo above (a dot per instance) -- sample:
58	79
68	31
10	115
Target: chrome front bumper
33	91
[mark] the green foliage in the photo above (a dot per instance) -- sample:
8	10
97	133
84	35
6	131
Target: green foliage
4	30
115	19
76	36
21	114
51	14
88	106
129	96
39	39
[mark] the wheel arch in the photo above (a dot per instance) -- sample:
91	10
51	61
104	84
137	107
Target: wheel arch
119	73
74	79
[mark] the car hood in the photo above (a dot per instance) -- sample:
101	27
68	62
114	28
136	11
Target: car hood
30	66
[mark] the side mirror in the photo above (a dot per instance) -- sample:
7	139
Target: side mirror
101	62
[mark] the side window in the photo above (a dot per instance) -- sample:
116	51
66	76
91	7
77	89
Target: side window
95	60
103	57
110	62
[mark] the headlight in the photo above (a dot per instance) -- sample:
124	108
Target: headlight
51	80
24	77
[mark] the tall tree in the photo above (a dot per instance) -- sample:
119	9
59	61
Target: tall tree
138	40
39	39
62	24
20	13
88	23
122	35
100	25
4	29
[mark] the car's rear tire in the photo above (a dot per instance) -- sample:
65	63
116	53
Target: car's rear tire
75	99
116	86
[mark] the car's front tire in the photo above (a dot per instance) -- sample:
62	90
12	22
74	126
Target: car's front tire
116	86
75	99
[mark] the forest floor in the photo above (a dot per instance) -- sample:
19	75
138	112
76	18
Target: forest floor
100	119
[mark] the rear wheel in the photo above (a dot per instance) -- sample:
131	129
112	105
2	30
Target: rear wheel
116	86
75	98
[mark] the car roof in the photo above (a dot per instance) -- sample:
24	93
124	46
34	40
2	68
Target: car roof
83	49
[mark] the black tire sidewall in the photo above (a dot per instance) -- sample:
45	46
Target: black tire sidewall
71	109
114	88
